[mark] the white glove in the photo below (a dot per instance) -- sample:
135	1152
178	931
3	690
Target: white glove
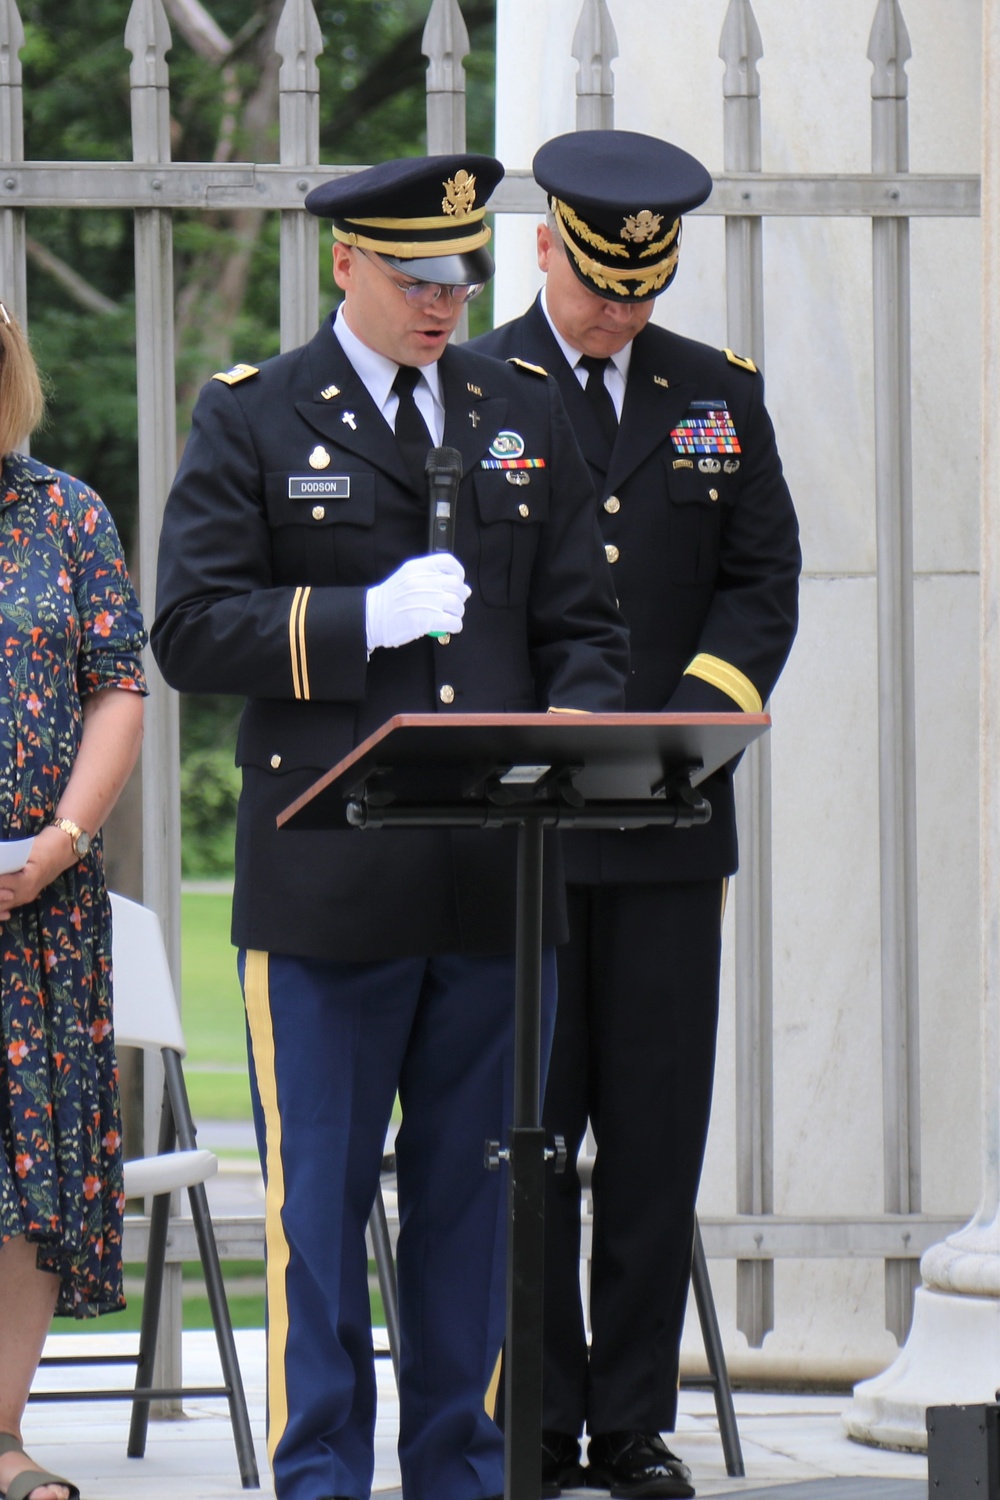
425	596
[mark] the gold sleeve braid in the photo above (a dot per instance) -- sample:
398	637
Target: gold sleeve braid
728	679
297	642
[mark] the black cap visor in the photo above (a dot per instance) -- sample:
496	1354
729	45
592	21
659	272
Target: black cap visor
466	269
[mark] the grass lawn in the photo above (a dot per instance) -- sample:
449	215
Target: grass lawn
244	1291
212	1010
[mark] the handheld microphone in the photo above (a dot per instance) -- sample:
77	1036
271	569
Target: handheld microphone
443	468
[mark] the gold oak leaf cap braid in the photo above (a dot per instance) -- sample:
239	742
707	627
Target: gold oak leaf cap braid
617	198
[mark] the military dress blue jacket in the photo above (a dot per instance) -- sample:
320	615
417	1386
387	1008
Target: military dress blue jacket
291	500
705	560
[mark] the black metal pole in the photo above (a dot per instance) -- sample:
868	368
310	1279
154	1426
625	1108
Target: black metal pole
528	974
525	1190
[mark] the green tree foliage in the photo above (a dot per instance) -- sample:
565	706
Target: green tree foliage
81	273
224	106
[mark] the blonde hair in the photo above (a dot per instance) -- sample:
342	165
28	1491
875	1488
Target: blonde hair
22	404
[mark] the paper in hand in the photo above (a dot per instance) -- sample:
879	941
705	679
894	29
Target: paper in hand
14	855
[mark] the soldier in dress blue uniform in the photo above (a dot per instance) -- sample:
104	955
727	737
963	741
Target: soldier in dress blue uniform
702	539
294	570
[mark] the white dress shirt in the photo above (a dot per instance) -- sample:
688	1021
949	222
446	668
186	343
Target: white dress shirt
615	371
377	373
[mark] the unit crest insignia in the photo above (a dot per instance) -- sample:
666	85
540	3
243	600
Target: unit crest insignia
641	226
459	193
507	444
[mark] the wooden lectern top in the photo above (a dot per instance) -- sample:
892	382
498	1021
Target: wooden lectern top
430	758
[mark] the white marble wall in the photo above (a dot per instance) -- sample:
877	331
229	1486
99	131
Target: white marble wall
816	110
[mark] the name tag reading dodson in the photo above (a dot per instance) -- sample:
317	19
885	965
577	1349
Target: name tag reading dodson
329	487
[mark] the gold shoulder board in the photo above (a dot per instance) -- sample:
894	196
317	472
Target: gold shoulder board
523	364
236	374
737	359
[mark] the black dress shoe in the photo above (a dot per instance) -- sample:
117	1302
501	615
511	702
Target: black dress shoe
560	1463
636	1466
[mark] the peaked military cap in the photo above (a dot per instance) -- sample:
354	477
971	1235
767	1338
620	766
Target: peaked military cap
617	198
424	214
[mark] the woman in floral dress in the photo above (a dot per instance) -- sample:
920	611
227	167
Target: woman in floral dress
71	703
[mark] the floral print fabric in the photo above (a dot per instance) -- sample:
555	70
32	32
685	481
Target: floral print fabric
69	626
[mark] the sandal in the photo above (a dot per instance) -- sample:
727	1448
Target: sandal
22	1486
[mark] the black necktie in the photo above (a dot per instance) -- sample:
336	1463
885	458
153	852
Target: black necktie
411	430
599	396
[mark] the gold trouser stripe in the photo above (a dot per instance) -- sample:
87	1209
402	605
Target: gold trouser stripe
416	249
258	1004
297	642
728	679
493	1389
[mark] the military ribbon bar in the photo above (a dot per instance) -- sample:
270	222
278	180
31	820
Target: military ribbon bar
711	431
512	463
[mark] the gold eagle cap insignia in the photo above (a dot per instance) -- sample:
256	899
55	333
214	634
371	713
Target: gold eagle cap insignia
523	364
236	374
641	226
459	193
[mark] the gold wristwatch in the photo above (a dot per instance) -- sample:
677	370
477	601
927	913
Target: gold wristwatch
81	839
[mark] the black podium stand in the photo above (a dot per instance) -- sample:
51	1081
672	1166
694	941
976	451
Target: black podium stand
531	772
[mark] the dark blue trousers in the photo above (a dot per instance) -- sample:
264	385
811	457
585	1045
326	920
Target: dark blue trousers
330	1044
634	1053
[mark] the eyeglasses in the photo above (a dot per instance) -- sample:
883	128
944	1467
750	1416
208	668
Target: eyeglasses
426	293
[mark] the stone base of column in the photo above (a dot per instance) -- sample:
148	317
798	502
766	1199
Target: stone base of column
951	1358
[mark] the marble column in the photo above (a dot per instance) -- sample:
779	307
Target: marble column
952	1353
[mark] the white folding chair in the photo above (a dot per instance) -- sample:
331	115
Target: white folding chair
146	1016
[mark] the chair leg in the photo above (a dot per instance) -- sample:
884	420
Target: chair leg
150	1327
716	1358
152	1291
378	1228
214	1285
222	1323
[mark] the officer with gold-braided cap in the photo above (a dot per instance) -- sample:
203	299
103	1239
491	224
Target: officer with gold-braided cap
616	200
701	535
297	569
